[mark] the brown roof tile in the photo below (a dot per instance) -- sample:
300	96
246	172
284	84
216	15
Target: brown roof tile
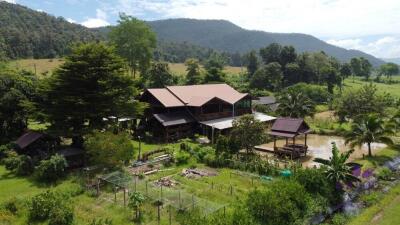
165	97
197	95
290	125
28	138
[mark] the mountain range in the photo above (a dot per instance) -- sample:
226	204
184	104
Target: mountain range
28	33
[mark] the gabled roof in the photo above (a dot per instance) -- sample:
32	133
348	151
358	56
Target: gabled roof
174	118
165	97
289	127
195	95
27	139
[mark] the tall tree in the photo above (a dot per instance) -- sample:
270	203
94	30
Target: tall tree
17	90
193	75
366	67
252	63
214	69
295	104
337	169
355	64
248	131
389	69
368	129
332	77
291	74
134	41
354	103
268	77
288	55
159	75
271	53
89	86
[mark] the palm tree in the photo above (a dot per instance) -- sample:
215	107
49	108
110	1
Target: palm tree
368	129
337	169
295	105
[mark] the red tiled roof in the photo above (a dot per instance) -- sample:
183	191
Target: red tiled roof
195	95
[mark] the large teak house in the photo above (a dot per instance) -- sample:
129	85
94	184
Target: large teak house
179	111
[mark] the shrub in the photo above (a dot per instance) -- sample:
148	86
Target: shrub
25	165
51	169
42	205
109	149
4	151
385	173
339	219
370	199
20	164
201	152
318	94
182	157
101	222
315	182
12	161
283	202
11	205
62	215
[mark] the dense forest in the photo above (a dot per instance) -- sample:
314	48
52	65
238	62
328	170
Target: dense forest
26	33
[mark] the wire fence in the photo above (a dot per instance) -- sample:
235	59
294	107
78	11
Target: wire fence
180	200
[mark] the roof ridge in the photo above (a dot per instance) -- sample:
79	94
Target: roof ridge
176	96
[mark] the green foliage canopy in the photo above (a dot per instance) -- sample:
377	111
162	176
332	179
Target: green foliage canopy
134	41
109	149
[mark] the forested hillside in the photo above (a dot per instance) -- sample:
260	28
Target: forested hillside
27	33
226	36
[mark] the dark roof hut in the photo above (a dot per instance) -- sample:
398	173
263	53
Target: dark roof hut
290	128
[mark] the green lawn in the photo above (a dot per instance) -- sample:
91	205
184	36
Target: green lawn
385	212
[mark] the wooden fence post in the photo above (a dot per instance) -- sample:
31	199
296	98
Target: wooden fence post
170	216
124	197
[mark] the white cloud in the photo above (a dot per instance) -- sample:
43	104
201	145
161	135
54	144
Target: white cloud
71	20
323	18
10	1
383	47
99	21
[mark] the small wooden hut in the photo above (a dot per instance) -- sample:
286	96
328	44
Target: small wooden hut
290	128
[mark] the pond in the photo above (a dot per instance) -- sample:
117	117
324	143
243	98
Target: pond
320	146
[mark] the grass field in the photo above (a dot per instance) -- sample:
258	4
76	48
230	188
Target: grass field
393	89
48	65
39	66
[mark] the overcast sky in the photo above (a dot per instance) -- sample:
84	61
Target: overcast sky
368	25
